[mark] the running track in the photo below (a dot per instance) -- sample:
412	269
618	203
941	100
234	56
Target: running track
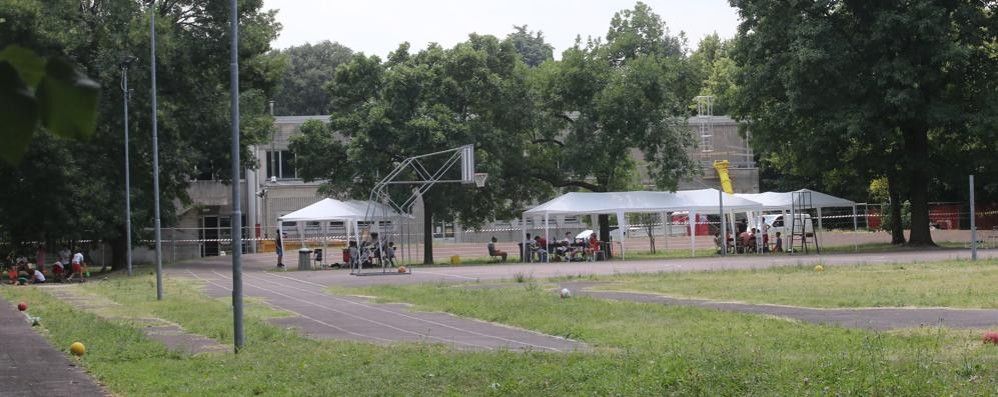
327	316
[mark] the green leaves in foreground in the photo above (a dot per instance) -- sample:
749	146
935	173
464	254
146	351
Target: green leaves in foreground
36	91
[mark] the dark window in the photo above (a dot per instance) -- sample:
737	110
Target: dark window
280	163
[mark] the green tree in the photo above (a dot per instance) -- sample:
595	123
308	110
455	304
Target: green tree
80	185
873	79
712	65
605	101
303	85
531	45
436	99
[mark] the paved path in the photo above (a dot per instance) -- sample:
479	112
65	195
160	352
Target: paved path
30	366
868	318
327	316
323	315
253	263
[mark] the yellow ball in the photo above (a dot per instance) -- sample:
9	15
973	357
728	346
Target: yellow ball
819	268
77	349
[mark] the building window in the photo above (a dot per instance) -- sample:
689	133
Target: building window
205	171
280	163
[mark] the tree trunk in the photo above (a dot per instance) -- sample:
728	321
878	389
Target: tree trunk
916	142
118	248
896	226
427	232
604	230
651	237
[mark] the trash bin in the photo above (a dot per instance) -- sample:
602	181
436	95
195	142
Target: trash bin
304	259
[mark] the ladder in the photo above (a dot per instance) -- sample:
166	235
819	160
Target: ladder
801	205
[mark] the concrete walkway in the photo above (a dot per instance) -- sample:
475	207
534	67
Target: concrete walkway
30	366
868	318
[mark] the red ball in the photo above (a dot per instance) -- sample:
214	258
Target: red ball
991	337
22	306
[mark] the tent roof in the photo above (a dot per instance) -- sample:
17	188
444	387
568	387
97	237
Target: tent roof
702	201
783	200
329	209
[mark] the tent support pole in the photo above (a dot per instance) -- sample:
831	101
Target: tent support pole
524	250
693	232
819	220
547	257
855	228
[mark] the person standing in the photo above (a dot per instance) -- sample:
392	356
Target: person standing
279	247
76	266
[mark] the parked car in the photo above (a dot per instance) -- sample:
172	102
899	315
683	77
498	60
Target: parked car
776	224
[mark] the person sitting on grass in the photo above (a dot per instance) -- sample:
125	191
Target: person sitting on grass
38	277
493	251
57	270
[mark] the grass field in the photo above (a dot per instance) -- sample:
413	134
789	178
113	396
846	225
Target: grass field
962	284
639	349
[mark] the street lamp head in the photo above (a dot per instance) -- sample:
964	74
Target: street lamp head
127	61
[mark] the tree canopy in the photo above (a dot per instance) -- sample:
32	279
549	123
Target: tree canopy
846	89
531	45
69	189
303	85
606	100
423	102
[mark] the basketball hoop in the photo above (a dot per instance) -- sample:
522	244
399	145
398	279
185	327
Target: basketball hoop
480	178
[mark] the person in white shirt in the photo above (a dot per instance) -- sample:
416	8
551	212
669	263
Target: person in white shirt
76	267
38	278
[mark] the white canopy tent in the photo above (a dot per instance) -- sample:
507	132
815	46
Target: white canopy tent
784	201
350	212
703	201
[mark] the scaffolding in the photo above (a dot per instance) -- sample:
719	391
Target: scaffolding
705	116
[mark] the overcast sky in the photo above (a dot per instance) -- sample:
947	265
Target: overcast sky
378	26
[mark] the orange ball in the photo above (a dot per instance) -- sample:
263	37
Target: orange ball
77	349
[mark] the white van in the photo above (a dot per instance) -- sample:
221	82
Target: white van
776	224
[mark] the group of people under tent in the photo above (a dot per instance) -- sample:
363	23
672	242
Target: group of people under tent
568	249
371	251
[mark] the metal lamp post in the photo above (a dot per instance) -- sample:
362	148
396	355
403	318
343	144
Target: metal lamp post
155	155
125	63
237	236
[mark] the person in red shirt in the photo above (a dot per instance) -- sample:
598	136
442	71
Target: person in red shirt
542	248
593	247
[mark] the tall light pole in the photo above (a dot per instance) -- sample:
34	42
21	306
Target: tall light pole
155	155
237	221
125	63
